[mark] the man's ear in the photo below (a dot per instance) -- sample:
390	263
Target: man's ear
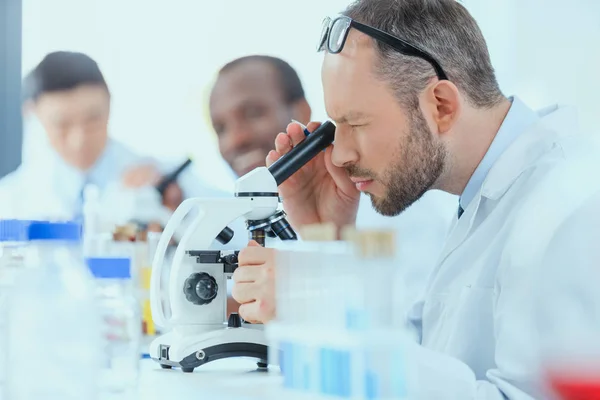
301	111
445	103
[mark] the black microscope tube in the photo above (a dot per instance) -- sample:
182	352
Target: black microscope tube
301	154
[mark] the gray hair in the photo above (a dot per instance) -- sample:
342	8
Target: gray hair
443	28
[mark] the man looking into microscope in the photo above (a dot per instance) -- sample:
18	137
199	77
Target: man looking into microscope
255	97
417	106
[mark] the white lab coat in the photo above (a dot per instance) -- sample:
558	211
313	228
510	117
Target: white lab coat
421	232
60	184
45	187
478	335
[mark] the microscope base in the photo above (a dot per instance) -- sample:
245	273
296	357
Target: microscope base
191	351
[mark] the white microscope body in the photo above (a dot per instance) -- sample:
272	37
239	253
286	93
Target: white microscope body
192	329
198	330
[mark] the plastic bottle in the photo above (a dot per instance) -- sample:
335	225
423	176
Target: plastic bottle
91	210
54	322
379	368
115	291
13	244
311	278
144	256
97	228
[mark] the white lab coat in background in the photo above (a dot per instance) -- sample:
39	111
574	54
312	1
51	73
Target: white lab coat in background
45	187
478	335
36	184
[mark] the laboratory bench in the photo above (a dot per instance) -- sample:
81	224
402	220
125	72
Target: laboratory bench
227	379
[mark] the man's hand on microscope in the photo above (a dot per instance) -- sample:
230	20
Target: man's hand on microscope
321	191
254	283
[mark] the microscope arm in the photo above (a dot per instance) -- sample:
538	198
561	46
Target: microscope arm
212	214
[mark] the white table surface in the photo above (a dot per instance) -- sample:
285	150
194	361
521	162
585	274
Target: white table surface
227	379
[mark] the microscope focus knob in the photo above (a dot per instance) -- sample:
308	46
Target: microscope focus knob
234	321
200	288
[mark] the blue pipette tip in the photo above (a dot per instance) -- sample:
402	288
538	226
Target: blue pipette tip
304	128
145	356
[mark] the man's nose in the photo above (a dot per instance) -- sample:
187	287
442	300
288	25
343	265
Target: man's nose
76	138
239	136
344	149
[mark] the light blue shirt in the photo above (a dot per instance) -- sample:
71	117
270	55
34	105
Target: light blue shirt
519	118
109	167
47	186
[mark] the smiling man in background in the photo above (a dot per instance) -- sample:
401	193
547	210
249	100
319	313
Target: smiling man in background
256	97
252	99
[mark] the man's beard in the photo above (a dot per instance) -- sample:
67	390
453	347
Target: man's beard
417	164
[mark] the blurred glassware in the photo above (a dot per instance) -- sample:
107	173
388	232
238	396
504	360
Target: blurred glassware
121	323
13	245
54	322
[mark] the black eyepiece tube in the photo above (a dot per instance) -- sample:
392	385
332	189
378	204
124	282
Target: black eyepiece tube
314	143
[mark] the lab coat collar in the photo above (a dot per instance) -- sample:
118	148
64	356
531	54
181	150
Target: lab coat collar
67	182
73	179
104	170
555	122
518	119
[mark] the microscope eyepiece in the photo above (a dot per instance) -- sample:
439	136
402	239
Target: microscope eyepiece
305	151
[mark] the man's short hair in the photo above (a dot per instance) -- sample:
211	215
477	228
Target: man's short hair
59	71
289	81
446	30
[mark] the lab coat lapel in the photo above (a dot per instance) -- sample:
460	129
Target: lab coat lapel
527	148
462	227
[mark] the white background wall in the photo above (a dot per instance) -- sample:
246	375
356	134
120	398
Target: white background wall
546	50
159	57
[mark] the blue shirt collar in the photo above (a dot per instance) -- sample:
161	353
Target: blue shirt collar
68	182
518	119
100	173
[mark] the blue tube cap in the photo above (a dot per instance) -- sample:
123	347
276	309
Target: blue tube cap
14	230
110	267
66	231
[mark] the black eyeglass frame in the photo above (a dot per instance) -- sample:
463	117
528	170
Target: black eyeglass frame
396	43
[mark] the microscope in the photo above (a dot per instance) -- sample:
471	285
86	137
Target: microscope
196	294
